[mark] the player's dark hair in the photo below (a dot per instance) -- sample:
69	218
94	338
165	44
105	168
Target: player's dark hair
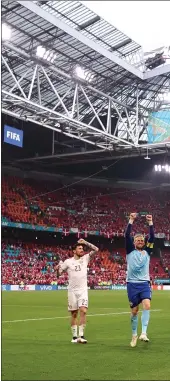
76	245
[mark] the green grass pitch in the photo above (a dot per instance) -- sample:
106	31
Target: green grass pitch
41	349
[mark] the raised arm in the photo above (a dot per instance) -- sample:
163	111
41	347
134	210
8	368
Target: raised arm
128	239
94	249
150	242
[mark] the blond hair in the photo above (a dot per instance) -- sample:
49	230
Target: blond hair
138	235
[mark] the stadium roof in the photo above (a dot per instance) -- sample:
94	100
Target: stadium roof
67	69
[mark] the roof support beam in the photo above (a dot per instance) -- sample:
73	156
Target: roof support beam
71	135
76	126
62	155
165	69
54	69
80	37
122	155
77	116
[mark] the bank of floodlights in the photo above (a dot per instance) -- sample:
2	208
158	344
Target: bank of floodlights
162	168
47	55
83	74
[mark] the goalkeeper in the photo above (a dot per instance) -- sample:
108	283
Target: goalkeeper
138	279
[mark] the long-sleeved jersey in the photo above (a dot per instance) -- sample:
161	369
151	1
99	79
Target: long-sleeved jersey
138	261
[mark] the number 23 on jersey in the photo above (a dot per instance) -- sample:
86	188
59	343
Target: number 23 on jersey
78	268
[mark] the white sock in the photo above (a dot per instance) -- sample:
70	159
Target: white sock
74	330
81	330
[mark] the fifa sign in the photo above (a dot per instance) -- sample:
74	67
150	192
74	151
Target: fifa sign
13	136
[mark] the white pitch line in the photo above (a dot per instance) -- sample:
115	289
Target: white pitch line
66	317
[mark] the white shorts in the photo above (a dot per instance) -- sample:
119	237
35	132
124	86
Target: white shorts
77	299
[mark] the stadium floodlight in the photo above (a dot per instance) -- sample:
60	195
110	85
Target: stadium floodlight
80	72
162	168
40	51
84	74
6	32
45	54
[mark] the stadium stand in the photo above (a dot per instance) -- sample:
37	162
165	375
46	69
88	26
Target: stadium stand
34	264
165	261
87	208
83	207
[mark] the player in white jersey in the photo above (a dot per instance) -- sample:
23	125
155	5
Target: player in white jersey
76	268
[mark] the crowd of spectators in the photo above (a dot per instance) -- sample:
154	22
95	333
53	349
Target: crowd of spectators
35	264
165	261
83	207
86	208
